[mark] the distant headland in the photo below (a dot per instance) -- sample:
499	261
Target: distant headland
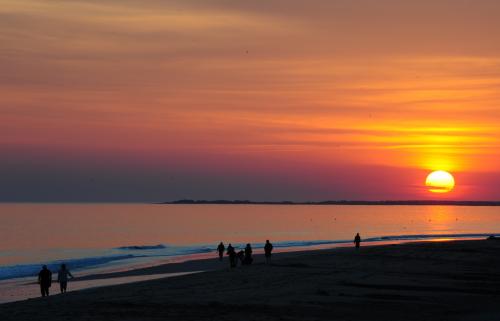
340	202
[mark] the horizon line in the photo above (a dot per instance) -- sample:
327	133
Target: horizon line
336	202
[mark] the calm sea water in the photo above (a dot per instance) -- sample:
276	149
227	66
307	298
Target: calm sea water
90	236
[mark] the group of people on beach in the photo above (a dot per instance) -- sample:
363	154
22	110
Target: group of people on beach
45	279
244	256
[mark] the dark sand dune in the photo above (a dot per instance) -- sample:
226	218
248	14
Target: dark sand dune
421	281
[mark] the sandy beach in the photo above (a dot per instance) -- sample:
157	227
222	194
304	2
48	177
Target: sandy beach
457	280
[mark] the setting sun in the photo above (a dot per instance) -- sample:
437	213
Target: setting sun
440	182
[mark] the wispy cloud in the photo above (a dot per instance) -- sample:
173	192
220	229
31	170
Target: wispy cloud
393	83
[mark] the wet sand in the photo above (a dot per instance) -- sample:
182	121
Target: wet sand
457	280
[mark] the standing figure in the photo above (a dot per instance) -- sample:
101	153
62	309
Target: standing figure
268	248
221	249
45	280
241	256
357	241
62	277
232	255
248	255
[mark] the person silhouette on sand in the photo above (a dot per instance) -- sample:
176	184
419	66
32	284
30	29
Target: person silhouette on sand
232	255
241	256
62	277
357	241
248	255
45	280
268	248
221	249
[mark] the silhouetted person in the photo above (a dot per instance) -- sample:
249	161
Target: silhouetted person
268	248
241	256
232	255
357	240
62	277
45	280
248	255
221	249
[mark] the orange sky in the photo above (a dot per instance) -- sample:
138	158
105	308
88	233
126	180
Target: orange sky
279	99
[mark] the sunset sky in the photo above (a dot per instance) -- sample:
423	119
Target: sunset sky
124	100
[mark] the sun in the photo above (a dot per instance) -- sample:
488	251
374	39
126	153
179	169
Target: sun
440	182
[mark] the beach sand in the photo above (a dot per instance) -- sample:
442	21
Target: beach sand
458	280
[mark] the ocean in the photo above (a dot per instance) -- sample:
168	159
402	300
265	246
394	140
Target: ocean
101	237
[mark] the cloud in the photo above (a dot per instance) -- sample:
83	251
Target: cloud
399	84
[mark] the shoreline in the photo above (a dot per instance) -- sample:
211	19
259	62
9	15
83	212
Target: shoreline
25	288
460	278
136	258
205	264
183	264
